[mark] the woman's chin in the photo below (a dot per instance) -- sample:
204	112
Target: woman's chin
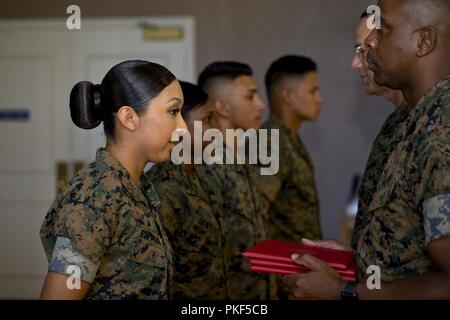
164	154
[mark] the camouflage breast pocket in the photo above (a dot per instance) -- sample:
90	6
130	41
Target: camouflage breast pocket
383	195
388	184
144	273
148	249
378	233
199	228
393	235
268	187
302	181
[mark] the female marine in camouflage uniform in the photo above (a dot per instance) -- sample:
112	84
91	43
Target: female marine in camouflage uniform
103	230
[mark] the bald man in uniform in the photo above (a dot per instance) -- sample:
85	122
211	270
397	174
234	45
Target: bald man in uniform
406	230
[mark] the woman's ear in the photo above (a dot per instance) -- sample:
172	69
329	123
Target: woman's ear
128	118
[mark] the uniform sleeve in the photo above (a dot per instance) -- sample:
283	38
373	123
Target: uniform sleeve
83	245
437	217
67	260
435	190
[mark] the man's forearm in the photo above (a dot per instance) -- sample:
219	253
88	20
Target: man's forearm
433	285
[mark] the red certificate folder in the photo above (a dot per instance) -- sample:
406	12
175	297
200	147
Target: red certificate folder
275	257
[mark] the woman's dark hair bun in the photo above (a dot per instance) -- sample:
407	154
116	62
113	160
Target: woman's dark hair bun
131	83
85	105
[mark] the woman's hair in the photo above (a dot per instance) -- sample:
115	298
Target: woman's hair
130	83
194	97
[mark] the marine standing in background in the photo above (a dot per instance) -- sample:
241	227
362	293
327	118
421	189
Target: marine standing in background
293	90
193	224
237	104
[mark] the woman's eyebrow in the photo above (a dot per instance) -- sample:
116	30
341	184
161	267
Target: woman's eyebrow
176	99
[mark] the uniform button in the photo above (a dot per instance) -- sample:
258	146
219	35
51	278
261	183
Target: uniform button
155	205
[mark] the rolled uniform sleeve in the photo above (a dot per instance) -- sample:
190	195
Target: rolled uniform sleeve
436	213
82	244
436	193
67	260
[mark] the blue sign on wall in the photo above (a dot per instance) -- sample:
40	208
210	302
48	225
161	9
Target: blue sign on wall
15	115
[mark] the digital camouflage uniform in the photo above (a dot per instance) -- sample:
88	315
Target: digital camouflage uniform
105	225
244	227
385	142
194	230
294	211
410	206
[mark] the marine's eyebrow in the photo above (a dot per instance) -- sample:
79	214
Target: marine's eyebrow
175	98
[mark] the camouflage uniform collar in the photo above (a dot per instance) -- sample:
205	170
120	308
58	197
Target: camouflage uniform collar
280	124
293	136
427	105
442	86
273	118
403	105
119	171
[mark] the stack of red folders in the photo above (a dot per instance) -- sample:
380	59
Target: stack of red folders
273	256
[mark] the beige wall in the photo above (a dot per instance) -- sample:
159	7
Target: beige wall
257	32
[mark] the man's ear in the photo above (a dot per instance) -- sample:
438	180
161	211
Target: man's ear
128	118
286	96
222	109
426	41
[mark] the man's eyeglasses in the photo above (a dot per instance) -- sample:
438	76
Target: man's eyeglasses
361	49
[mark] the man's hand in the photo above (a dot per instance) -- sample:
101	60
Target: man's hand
322	282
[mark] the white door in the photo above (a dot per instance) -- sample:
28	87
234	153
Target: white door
40	61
